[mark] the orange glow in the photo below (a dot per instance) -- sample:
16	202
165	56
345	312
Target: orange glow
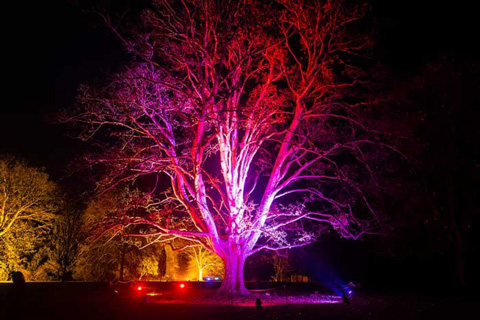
153	294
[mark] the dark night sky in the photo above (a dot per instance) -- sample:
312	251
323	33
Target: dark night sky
52	47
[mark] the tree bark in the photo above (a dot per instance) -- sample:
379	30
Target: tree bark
233	282
122	261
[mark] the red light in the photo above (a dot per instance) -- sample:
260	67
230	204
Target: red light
139	288
182	285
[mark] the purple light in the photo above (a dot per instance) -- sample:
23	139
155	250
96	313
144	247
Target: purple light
267	301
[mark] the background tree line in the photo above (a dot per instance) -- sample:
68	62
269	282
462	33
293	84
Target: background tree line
46	237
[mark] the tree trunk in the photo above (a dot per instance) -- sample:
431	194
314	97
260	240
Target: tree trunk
122	261
64	273
162	263
233	283
200	274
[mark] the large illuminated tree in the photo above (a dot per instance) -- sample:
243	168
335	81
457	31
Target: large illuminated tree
28	200
243	108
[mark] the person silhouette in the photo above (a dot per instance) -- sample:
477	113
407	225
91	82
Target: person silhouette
15	296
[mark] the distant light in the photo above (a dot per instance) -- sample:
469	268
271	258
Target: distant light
349	291
139	288
208	278
217	278
182	285
153	294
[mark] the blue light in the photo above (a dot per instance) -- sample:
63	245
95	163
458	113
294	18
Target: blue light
217	278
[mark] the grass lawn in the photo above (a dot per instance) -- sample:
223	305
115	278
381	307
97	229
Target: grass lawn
98	301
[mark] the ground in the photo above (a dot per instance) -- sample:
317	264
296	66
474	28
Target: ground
99	301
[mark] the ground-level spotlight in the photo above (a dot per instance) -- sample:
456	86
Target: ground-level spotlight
139	288
345	291
347	294
182	285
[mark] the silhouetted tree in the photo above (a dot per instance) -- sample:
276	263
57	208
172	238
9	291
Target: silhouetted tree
442	100
64	243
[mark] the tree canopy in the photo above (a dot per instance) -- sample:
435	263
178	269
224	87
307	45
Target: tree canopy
243	123
28	200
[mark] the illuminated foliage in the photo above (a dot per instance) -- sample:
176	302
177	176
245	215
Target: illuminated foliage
204	262
243	114
106	254
281	268
28	200
148	267
101	255
172	263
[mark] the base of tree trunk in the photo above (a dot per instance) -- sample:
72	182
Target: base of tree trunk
227	292
233	283
233	286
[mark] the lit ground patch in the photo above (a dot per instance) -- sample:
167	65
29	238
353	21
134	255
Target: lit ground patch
267	300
